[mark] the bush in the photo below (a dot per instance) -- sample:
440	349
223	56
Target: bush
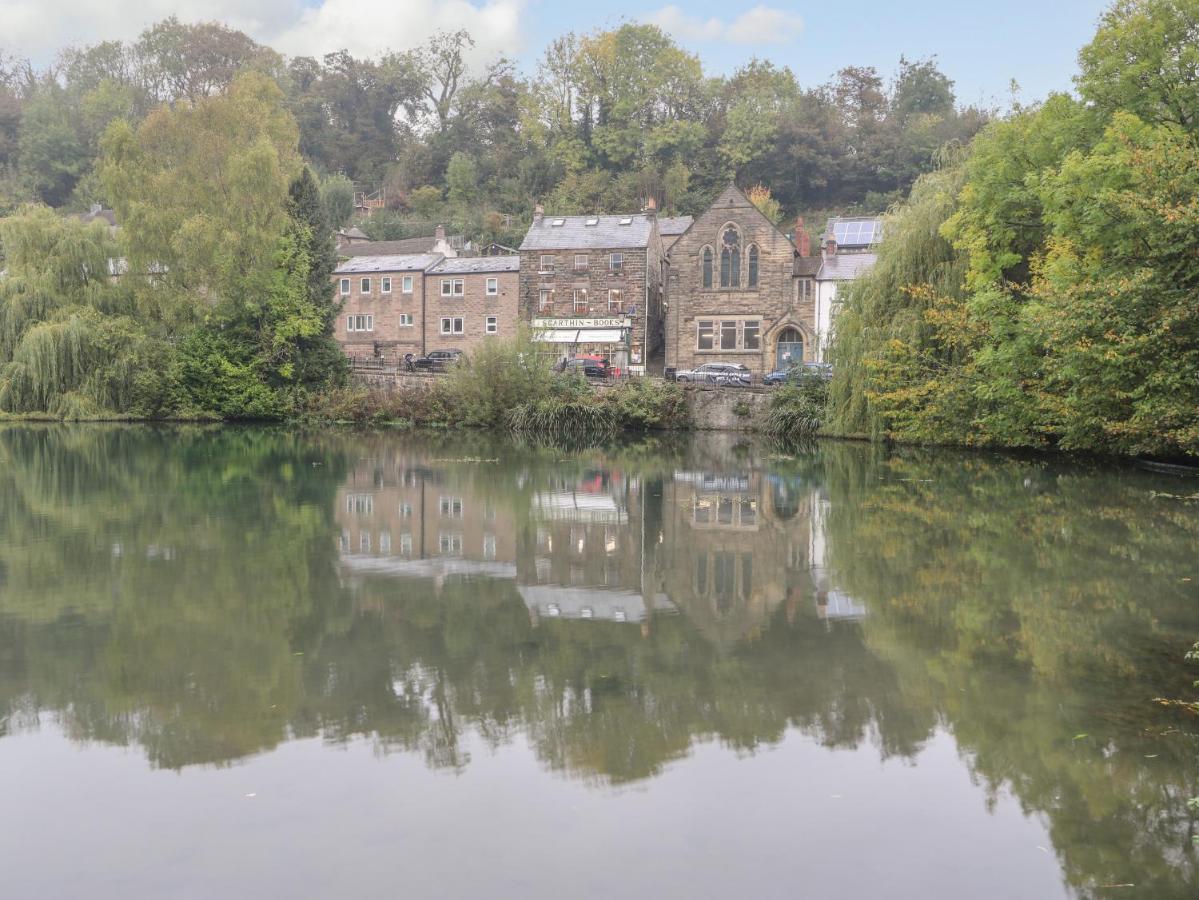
645	403
797	409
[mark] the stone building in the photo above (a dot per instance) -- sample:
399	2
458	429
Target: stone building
596	284
735	291
382	305
395	305
470	300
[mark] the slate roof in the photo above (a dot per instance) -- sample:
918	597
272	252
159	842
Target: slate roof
673	226
807	266
354	233
390	248
413	262
575	234
846	267
466	265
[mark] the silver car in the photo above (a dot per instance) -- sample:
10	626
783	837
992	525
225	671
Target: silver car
731	374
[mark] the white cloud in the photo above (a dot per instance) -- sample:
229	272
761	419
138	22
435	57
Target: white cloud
368	27
760	25
39	28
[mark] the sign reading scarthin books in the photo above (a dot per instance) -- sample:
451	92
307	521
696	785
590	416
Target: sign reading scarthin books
614	322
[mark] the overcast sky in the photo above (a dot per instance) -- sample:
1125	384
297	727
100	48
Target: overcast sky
982	46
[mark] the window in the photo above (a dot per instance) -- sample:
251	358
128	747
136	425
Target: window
452	325
364	542
616	262
385	542
452	287
545	301
345	287
805	289
360	504
489	546
579	295
406	320
364	286
615	300
730	258
706	329
582	262
451	507
728	335
751	335
449	543
406	284
707	267
360	323
493	325
753	266
385	284
493	287
406	543
547	263
405	510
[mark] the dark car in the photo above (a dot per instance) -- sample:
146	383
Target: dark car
437	360
802	370
592	368
731	374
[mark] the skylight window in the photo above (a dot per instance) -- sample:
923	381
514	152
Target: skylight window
558	223
593	221
626	221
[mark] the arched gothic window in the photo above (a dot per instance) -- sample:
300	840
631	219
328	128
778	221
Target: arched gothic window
707	267
730	258
753	266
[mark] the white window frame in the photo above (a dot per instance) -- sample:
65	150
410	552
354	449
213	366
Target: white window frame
585	264
575	301
364	285
757	323
545	300
724	330
385	284
699	330
345	286
360	322
406	320
406	284
548	263
619	305
493	287
453	325
616	262
492	325
453	287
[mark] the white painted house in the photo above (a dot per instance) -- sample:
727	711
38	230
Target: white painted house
847	251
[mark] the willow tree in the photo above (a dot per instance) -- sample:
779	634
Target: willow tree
69	341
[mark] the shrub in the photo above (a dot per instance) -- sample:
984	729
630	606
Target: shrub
645	403
797	409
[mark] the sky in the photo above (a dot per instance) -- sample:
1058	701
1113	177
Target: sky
981	46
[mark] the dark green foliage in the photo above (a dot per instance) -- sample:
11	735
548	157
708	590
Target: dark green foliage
797	409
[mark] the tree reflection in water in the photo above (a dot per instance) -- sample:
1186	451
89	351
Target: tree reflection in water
206	594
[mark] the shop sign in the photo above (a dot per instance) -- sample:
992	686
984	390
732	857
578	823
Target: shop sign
613	322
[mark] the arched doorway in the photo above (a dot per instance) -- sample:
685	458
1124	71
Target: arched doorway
788	349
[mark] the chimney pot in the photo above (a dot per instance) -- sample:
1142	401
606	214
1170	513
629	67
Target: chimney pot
439	233
830	246
538	214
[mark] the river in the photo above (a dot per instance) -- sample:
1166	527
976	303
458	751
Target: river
247	662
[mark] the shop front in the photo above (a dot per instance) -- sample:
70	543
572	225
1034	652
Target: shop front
606	338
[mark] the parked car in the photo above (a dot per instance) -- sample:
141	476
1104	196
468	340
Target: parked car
798	371
437	360
732	374
592	368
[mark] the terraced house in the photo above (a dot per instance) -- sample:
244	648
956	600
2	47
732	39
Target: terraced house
596	284
396	305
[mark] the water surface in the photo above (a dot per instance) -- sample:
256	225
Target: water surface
246	663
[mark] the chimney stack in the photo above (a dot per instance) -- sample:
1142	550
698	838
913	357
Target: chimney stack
651	207
830	246
439	234
802	242
538	214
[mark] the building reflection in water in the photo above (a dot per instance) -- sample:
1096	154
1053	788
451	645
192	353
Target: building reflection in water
725	548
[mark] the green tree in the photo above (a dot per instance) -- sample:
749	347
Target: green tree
337	197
